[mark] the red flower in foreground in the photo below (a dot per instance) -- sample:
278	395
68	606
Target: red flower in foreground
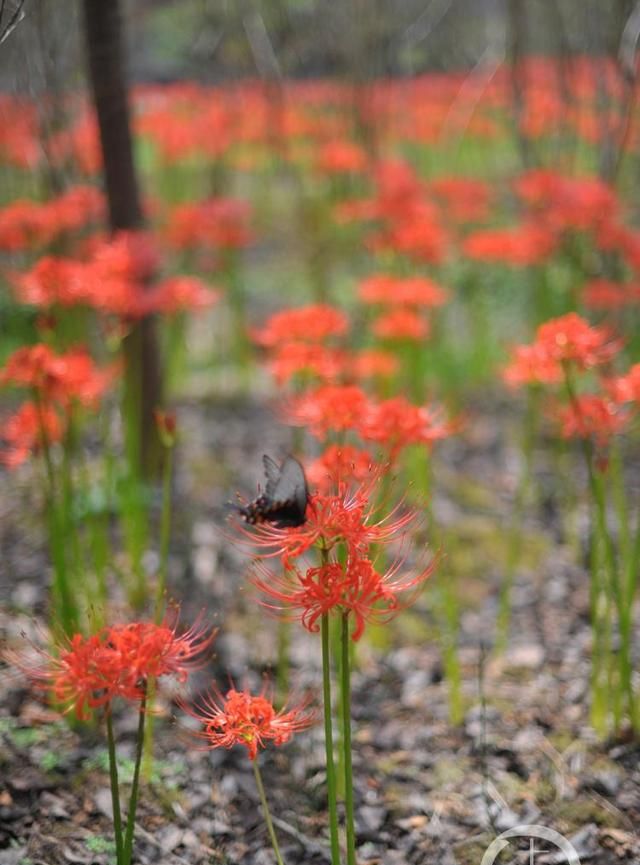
22	433
88	672
355	588
592	416
239	718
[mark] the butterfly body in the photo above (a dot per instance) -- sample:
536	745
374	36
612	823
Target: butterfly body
284	500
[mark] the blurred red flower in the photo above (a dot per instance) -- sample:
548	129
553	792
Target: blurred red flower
592	416
395	423
571	339
22	433
328	408
531	364
401	324
62	378
341	157
521	246
313	323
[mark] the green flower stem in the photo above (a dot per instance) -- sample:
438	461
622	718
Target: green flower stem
135	785
66	612
345	685
115	789
282	662
614	584
332	795
266	812
165	534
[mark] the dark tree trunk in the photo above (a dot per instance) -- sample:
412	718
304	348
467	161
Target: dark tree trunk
105	53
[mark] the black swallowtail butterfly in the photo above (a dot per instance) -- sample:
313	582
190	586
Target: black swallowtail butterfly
284	500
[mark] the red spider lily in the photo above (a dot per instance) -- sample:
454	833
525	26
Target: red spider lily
62	378
23	433
626	388
118	272
531	364
26	224
571	339
412	291
355	588
52	281
341	157
606	294
339	461
293	358
580	203
87	672
396	423
23	225
592	416
521	246
313	323
373	363
347	516
219	222
83	674
181	293
417	234
464	199
150	650
239	718
401	324
328	408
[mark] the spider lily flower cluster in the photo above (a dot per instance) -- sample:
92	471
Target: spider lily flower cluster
348	533
119	662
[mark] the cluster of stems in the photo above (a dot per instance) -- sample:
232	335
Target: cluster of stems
615	564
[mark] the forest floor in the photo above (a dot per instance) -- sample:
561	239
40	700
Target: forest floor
427	792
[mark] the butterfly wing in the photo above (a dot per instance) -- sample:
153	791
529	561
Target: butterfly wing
290	493
273	473
284	501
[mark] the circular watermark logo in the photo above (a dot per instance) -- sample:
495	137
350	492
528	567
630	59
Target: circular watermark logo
536	835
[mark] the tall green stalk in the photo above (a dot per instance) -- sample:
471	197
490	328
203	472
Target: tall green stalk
266	812
332	797
127	848
66	610
115	788
345	705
